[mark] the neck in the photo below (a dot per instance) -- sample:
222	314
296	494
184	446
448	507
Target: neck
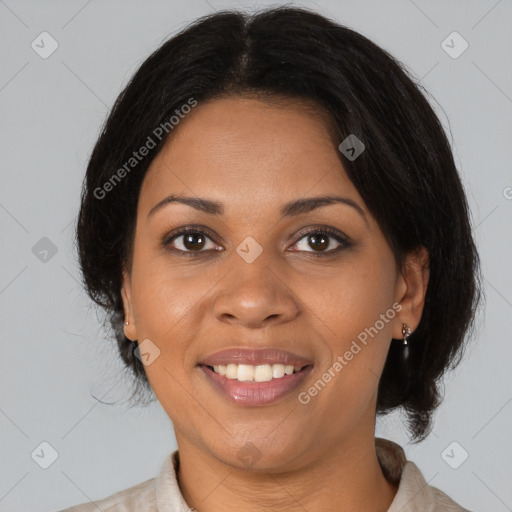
347	477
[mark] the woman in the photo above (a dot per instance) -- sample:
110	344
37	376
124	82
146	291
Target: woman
273	221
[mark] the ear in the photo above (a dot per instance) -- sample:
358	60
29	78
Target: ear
411	290
130	330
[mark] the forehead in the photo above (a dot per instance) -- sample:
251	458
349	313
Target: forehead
248	151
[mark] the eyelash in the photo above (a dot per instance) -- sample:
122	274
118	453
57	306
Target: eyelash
202	230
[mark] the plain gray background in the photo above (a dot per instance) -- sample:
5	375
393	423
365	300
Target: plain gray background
54	353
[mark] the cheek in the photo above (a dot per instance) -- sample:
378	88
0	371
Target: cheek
356	311
164	314
163	298
163	308
353	297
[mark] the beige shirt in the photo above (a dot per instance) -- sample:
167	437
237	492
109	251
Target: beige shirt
162	494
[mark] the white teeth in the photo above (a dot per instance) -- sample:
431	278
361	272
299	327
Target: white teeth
245	372
277	371
220	369
259	373
288	369
263	373
231	371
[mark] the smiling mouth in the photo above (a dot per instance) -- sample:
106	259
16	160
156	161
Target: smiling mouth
255	373
255	385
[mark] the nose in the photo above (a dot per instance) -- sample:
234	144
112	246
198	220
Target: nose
254	295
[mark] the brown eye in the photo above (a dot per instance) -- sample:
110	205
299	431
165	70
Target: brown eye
193	241
318	242
322	241
189	241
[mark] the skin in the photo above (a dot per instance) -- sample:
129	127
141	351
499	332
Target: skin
243	153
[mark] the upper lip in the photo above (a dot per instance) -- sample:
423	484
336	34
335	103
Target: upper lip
255	356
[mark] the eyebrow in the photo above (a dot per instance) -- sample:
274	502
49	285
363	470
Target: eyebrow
292	208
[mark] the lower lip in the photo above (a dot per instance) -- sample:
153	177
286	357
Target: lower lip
255	393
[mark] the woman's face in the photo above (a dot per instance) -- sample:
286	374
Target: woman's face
254	282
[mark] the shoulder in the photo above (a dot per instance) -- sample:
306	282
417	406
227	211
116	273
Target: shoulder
140	498
160	494
414	493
